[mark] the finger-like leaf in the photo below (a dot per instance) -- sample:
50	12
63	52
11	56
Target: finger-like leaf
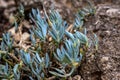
70	35
47	60
41	24
16	72
58	26
83	38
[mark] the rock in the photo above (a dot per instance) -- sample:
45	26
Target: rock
113	13
104	59
108	33
17	37
25	36
77	77
3	3
111	76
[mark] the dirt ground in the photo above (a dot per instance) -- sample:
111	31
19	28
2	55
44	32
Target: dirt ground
103	64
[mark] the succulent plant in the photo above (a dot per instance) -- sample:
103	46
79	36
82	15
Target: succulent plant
40	59
41	24
80	16
5	72
6	44
78	22
16	72
82	37
26	58
70	55
58	26
40	65
36	64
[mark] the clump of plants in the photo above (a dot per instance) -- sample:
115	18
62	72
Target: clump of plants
54	50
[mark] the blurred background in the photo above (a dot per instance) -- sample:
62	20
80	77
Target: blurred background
8	8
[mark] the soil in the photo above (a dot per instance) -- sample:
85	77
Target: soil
103	64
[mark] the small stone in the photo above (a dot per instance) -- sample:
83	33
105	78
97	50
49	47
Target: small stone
104	59
113	12
77	77
50	39
108	32
25	36
17	37
3	4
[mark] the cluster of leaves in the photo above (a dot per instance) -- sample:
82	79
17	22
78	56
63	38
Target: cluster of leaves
35	63
80	16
